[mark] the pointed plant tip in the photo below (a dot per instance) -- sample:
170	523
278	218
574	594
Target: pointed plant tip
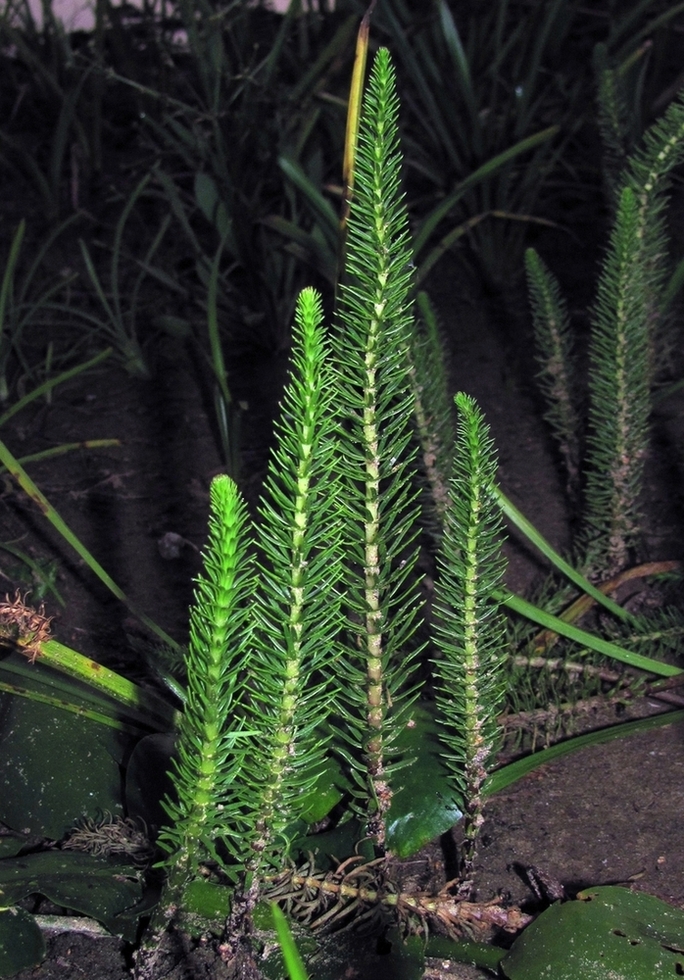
221	480
309	302
465	403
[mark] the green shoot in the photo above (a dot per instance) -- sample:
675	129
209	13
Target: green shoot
295	609
557	368
470	628
375	453
209	756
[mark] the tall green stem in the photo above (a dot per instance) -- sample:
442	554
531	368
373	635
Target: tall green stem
470	629
375	454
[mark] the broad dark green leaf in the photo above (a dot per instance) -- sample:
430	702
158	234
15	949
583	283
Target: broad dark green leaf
325	794
333	846
609	932
209	901
147	780
21	942
10	845
484	955
55	767
424	805
75	881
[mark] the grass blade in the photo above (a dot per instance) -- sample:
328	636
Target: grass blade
482	173
52	383
28	486
540	542
293	961
516	770
596	643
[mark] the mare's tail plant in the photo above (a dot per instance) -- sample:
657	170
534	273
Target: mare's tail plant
376	455
295	650
262	650
470	628
433	409
314	657
624	349
302	665
557	375
204	817
616	117
620	401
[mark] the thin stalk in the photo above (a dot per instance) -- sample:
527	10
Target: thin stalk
293	961
5	295
514	771
47	386
354	116
225	410
67	447
540	542
74	664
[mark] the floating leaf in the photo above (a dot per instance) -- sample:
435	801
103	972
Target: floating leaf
54	767
21	942
609	932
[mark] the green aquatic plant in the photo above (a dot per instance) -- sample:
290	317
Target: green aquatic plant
376	456
557	376
298	725
633	293
470	629
619	396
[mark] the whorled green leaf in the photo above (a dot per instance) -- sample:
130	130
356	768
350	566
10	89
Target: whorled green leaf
609	932
619	407
209	754
21	942
469	630
376	454
296	605
557	373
